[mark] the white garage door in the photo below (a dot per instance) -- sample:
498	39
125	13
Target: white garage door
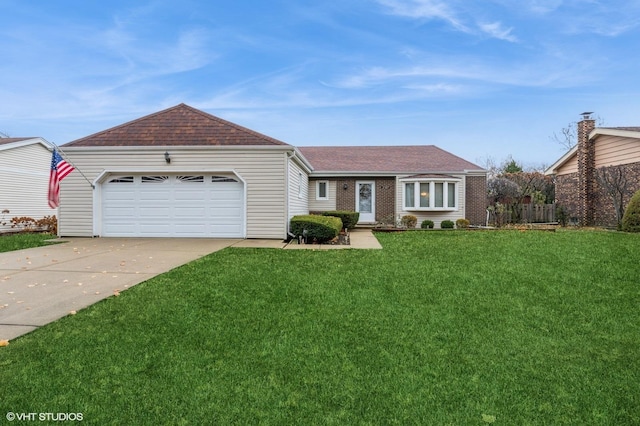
173	206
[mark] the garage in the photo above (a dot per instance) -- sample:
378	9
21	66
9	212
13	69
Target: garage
173	205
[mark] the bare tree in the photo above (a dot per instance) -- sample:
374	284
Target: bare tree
490	165
616	182
568	137
3	135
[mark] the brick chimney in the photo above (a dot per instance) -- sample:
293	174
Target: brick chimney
586	169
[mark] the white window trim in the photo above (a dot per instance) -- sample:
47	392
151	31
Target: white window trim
326	190
432	195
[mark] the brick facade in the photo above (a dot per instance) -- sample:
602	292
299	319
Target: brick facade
385	195
346	194
586	171
476	199
567	195
604	213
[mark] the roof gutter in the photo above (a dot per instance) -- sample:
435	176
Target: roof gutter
297	156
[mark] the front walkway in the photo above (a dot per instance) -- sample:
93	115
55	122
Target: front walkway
359	238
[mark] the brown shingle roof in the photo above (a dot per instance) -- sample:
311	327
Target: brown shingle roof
180	125
389	159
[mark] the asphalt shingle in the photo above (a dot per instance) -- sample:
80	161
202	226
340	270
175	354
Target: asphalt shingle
180	125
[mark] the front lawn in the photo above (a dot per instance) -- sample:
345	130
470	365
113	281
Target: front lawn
11	242
437	328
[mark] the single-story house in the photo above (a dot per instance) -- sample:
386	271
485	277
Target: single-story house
385	183
24	179
578	187
182	172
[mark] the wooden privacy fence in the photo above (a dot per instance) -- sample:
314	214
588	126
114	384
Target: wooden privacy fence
524	213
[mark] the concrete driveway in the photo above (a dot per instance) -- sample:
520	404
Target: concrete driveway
41	285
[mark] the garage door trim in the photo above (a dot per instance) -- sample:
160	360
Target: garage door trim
106	175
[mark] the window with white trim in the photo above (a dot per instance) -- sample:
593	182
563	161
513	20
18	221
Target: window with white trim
322	190
430	194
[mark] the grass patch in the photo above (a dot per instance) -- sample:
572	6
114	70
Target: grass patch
11	242
437	328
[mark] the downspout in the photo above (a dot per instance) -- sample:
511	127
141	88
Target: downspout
307	168
288	186
290	156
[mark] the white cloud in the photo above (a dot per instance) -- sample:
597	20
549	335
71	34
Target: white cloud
424	9
460	18
496	30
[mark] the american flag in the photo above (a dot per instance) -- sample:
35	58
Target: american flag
59	170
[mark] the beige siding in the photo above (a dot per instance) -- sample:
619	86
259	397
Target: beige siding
571	166
24	183
298	191
263	170
436	216
322	205
616	150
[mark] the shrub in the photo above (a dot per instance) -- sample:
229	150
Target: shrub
426	224
24	223
409	221
48	224
561	215
315	227
446	224
348	218
462	223
631	218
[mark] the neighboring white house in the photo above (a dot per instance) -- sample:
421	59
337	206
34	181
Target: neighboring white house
24	179
182	172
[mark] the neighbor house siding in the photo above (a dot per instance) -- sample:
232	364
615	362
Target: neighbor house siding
571	166
263	170
298	190
24	183
590	204
616	150
322	205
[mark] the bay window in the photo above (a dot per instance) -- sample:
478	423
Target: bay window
430	194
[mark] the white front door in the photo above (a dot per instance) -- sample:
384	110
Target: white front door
366	201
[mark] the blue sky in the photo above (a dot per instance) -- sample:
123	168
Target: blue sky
479	78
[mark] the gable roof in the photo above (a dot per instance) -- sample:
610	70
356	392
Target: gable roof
10	143
180	125
627	132
414	159
5	141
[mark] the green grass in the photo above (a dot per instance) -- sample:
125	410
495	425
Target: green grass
11	242
453	327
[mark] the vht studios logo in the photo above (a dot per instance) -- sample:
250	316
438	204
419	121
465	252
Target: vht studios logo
43	417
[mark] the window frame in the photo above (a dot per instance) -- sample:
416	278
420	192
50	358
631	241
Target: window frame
326	190
418	199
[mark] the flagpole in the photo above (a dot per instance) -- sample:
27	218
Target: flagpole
56	147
